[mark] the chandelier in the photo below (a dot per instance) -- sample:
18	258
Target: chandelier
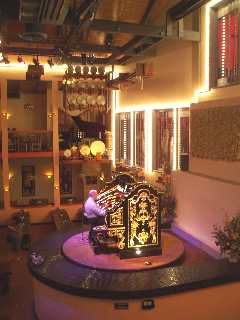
85	89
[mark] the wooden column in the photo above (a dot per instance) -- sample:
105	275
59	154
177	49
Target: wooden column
55	97
5	164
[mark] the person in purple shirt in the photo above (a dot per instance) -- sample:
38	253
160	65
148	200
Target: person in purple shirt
94	214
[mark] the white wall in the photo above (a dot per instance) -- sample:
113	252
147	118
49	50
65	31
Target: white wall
174	79
203	202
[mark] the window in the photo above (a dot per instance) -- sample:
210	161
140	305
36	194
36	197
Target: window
183	141
227	43
139	143
171	139
123	130
163	139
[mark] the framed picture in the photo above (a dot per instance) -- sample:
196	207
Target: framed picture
66	180
28	181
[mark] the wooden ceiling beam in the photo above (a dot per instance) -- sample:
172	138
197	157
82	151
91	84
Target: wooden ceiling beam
78	60
137	52
126	27
185	7
85	47
83	18
53	12
135	41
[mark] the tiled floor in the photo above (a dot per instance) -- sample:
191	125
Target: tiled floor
18	303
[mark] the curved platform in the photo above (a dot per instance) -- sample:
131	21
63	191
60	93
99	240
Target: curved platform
57	272
64	290
78	250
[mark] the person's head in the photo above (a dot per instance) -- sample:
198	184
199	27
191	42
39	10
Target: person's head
93	194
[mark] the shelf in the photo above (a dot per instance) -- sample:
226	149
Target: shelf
29	131
32	207
38	154
68	204
80	161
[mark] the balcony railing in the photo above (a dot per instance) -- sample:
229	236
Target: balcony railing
34	141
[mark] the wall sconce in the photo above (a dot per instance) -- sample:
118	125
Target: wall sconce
51	114
10	175
20	60
50	62
4	59
5	115
6	188
56	187
49	175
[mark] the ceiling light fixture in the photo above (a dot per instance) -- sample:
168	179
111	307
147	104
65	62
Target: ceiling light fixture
50	62
20	59
5	59
36	61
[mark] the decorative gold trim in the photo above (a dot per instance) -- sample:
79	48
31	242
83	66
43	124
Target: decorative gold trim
142	219
120	234
116	218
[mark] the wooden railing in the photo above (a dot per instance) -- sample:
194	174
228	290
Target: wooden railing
29	141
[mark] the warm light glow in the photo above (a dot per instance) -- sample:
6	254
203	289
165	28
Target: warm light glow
157	106
6	188
6	115
10	175
178	138
149	134
148	138
138	251
125	139
50	115
49	174
113	129
115	105
56	187
132	139
174	139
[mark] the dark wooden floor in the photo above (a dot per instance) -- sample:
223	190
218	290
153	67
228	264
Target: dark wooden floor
18	303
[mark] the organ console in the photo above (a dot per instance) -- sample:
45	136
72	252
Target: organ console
133	219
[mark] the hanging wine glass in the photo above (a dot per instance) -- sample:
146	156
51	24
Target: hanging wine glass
78	71
101	70
93	70
85	70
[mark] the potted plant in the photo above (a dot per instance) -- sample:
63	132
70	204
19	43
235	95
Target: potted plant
168	210
227	238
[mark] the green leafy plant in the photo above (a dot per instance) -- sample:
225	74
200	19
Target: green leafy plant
227	237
